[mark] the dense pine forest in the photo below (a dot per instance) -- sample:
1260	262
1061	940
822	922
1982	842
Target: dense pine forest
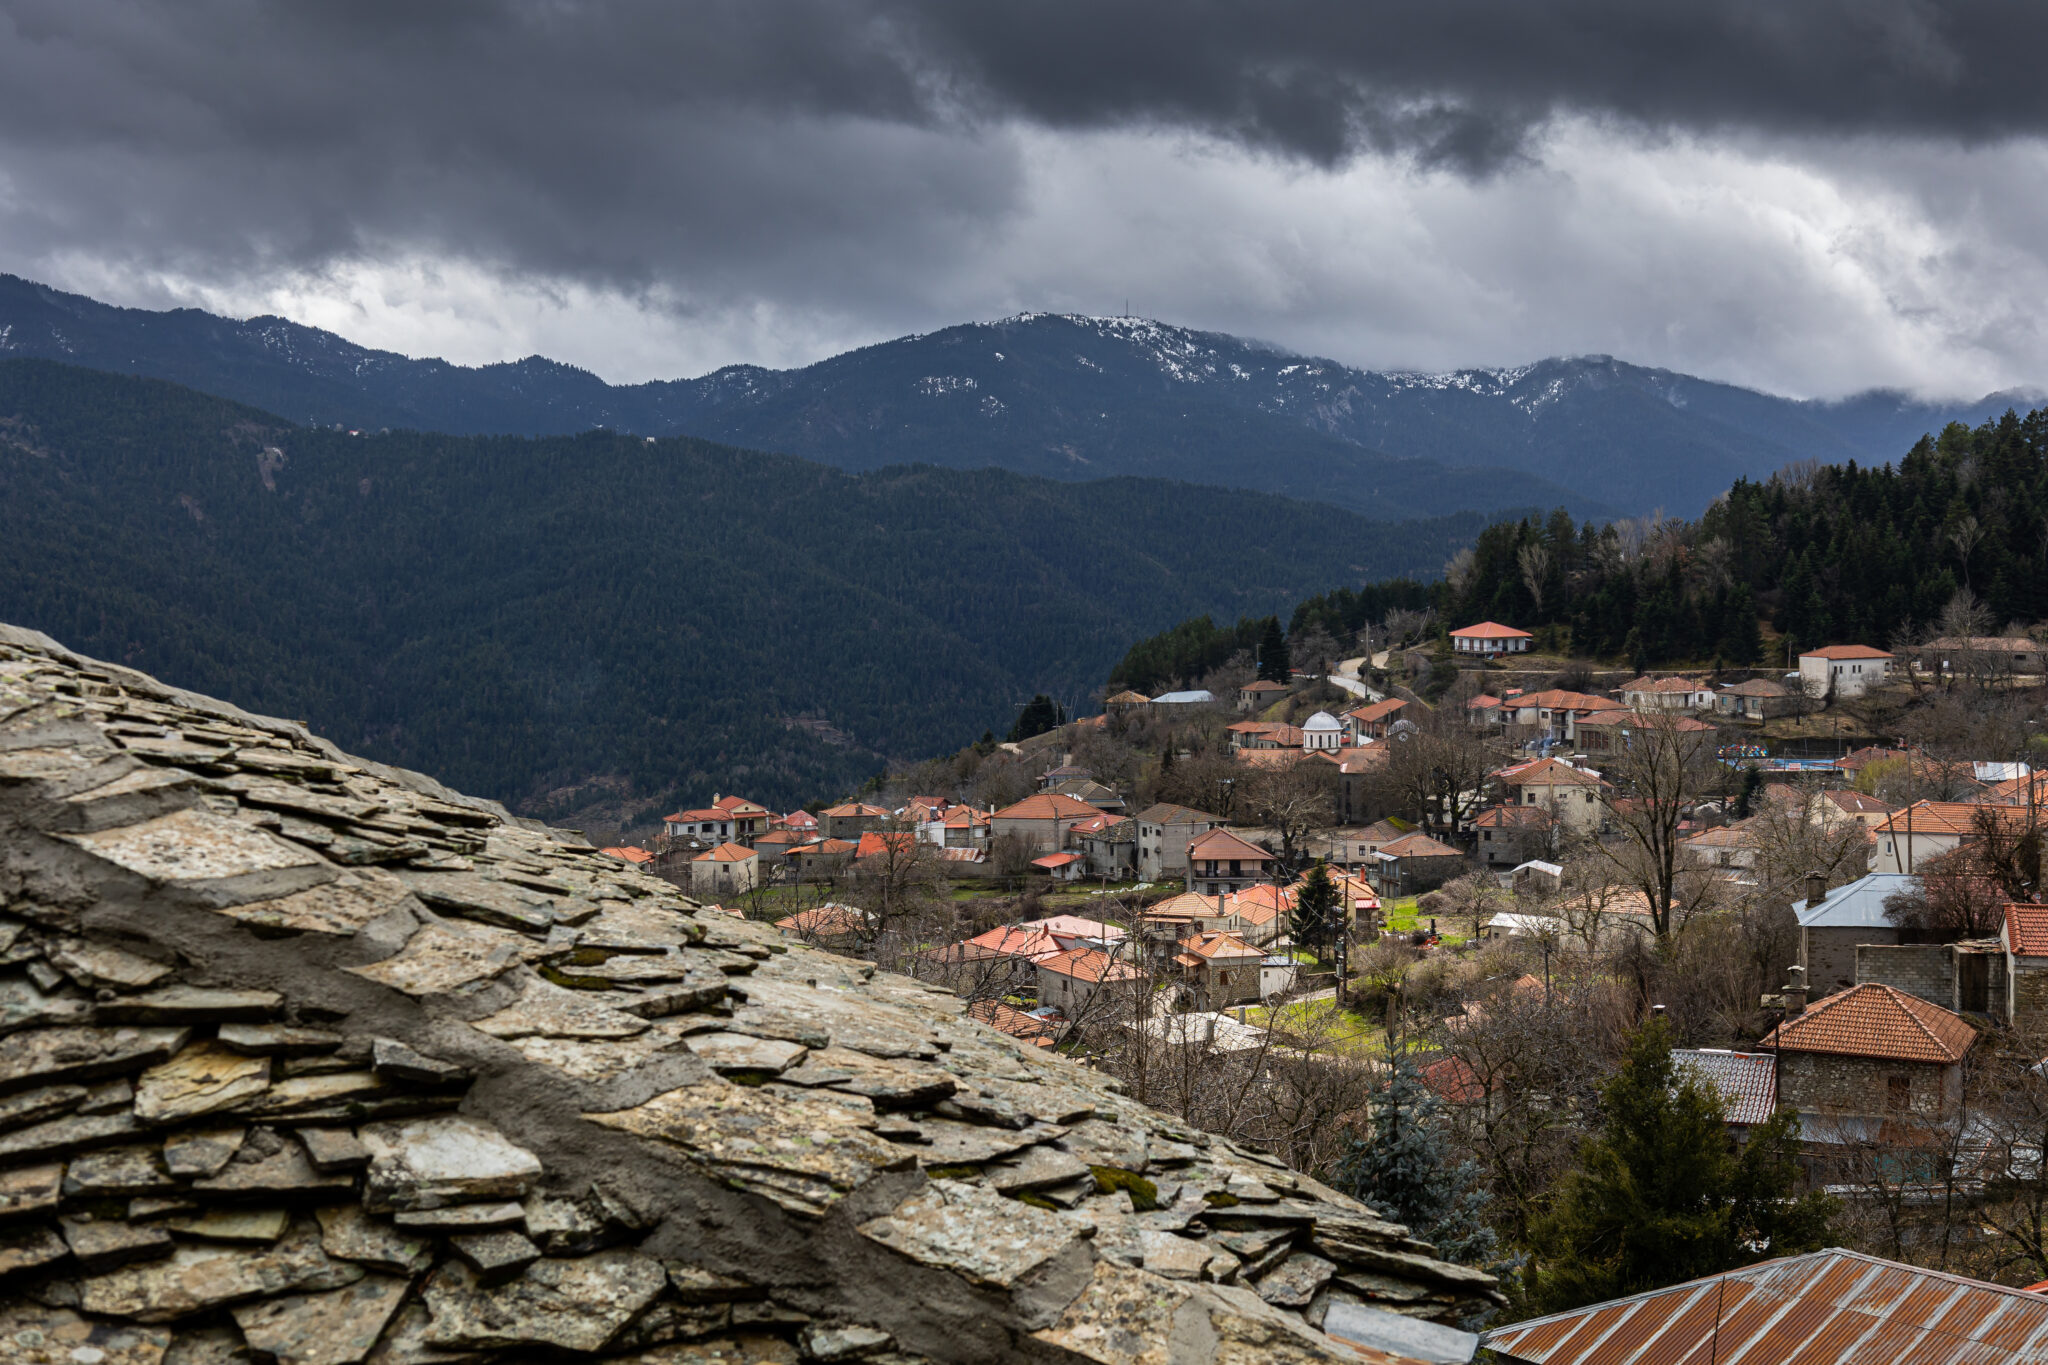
605	618
1823	554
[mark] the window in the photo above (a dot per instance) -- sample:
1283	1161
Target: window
1898	1094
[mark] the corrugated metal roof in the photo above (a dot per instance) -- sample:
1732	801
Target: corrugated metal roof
1831	1307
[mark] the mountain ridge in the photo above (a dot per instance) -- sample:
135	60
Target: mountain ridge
1062	396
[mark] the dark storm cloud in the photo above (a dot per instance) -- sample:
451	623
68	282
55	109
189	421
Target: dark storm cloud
834	158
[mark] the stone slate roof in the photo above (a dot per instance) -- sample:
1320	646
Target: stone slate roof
316	1059
1748	1081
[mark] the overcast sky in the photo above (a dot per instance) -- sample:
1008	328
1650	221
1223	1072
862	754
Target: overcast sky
1812	198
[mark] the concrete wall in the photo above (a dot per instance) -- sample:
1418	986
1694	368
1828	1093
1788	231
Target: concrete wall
1829	956
1823	1083
1927	970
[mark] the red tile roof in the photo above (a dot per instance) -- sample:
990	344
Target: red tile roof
1015	1022
1419	846
827	919
1222	844
1089	964
1548	772
1490	630
872	843
1483	702
726	853
1660	685
1379	710
1052	862
704	814
1945	817
630	853
857	809
1511	817
1453	1079
1871	1020
1048	806
1219	943
1016	941
1845	652
2026	930
1830	1307
739	805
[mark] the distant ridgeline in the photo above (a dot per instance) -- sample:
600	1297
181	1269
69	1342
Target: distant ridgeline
574	619
1834	554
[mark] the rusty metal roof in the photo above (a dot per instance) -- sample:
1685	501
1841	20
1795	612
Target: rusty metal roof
1830	1307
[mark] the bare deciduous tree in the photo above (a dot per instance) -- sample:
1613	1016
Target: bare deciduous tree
1665	769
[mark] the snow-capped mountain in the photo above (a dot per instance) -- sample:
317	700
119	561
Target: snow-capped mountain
1066	396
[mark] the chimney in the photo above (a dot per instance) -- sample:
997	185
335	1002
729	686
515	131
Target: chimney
1816	888
1795	990
1656	1011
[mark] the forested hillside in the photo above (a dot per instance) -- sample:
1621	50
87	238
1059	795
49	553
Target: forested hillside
660	618
1829	554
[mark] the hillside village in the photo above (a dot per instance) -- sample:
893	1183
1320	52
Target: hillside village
1820	877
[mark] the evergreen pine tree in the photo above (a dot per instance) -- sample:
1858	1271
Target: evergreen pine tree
1662	1195
1404	1169
1274	665
1741	641
1752	787
1040	714
1313	919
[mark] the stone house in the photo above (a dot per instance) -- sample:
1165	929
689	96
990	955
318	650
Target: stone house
1758	699
2024	937
2006	654
1871	1052
1164	926
1735	847
851	820
1832	924
1569	795
1509	835
1219	861
1042	821
1259	694
1844	670
1110	845
728	870
963	827
1650	695
1164	832
1608	732
1355	847
1221	968
1071	981
1415	864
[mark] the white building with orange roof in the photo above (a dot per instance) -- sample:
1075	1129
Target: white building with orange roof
1569	794
728	870
1070	981
1490	638
1844	670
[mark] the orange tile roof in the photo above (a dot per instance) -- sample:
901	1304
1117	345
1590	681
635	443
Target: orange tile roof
1221	843
827	919
1482	702
739	805
1556	699
825	847
1548	772
1275	758
1018	941
1048	806
872	843
1726	836
1263	685
1453	1079
1511	817
1015	1022
1089	964
1127	698
1871	1020
857	809
1054	861
726	853
1491	630
630	852
1166	813
703	814
776	838
1945	817
1845	652
1419	846
2026	930
965	817
1219	943
1379	710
